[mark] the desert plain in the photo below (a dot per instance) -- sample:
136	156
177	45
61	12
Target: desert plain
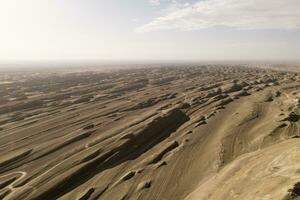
191	132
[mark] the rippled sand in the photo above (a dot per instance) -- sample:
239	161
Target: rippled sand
192	132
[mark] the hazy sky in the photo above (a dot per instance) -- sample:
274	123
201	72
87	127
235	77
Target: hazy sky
149	30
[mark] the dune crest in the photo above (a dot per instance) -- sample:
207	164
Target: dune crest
189	132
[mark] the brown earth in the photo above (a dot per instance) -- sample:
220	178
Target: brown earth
192	132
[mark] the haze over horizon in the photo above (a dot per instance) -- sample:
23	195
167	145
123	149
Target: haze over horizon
150	99
218	30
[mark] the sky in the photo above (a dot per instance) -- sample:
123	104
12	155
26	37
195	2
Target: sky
196	30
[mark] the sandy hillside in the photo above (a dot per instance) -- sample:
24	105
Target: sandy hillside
170	133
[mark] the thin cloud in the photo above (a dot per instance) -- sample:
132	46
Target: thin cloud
154	2
239	14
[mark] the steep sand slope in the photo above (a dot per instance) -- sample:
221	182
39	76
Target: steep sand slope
260	154
193	132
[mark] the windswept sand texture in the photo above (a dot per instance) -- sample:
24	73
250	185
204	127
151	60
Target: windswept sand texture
170	133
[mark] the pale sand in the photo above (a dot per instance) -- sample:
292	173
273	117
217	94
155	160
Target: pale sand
209	132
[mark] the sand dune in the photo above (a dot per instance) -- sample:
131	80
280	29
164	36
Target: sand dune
189	132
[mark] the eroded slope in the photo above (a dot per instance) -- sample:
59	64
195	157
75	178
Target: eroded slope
195	132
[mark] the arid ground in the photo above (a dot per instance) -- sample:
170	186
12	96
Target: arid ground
154	133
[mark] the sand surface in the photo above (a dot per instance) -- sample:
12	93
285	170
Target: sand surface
171	133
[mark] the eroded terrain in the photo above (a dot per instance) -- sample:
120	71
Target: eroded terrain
192	132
